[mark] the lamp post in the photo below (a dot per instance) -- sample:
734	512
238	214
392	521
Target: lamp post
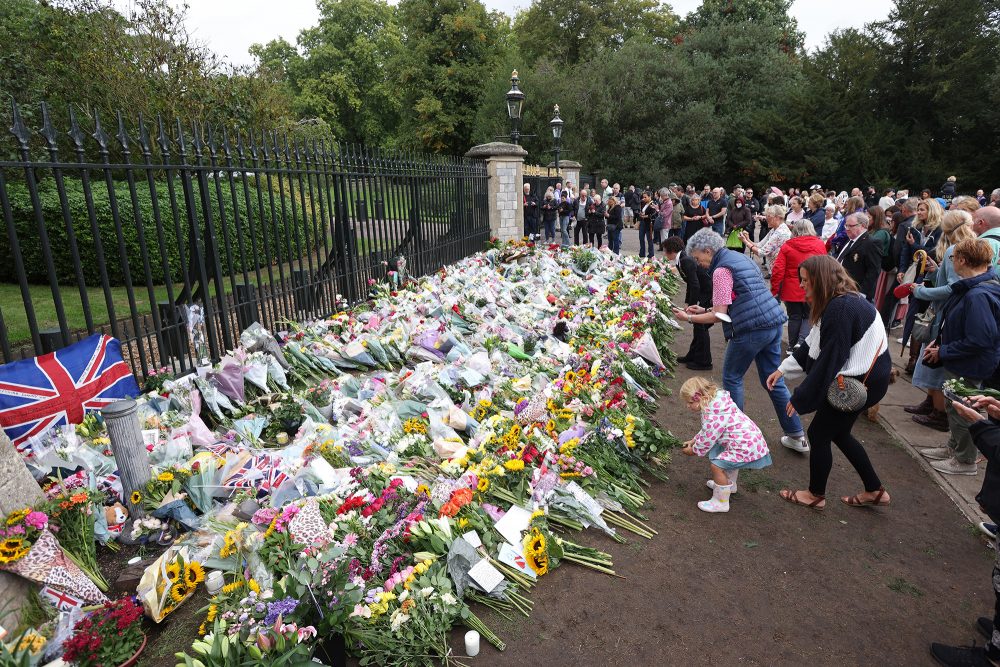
515	104
557	127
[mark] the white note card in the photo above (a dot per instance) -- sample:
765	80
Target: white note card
487	576
513	523
472	537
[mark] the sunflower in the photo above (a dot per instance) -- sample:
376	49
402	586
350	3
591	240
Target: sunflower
538	562
213	611
194	574
422	490
484	485
254	586
136	498
534	542
18	516
165	477
173	572
178	592
233	587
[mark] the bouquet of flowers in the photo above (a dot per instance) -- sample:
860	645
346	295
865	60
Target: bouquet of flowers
169	582
109	635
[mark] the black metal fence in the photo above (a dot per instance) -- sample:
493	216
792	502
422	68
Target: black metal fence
124	233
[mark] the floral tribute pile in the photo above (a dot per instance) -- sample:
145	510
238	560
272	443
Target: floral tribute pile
374	474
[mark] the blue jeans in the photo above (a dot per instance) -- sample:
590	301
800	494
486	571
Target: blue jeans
763	348
550	230
645	236
564	230
719	227
615	239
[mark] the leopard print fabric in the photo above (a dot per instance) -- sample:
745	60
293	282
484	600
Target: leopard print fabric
307	527
48	565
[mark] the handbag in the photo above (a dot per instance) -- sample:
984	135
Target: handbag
733	241
923	326
848	394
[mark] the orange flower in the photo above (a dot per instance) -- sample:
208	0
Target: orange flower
449	509
462	497
79	498
65	504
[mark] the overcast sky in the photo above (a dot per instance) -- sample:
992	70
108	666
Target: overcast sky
229	27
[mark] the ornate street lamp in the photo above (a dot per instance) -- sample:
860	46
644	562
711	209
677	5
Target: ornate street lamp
557	127
515	104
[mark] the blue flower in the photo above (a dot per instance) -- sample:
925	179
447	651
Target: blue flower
280	608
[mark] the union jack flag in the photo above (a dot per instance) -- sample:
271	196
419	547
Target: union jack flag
61	387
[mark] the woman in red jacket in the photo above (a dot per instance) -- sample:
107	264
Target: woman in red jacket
785	277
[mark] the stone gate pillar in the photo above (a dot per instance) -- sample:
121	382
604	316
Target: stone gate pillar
569	171
505	168
18	489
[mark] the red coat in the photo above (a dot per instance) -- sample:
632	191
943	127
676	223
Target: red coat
785	272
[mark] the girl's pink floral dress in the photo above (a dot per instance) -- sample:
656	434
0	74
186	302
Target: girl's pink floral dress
730	438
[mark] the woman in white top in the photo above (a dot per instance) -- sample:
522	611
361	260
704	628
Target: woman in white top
778	233
797	212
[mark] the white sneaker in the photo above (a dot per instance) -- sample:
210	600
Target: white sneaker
936	453
954	467
710	483
800	445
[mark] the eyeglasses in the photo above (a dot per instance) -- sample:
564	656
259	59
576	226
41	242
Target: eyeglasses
851	225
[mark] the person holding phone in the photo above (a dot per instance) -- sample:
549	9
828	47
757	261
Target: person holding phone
985	434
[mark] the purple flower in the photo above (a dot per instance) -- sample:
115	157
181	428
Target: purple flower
280	608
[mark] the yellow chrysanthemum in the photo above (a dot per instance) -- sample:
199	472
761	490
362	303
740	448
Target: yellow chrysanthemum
514	465
254	586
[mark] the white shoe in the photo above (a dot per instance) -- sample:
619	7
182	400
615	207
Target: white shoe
719	501
710	483
953	467
936	453
800	445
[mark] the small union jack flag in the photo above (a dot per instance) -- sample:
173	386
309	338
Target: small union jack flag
61	387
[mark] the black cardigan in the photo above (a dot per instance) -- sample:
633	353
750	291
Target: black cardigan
986	436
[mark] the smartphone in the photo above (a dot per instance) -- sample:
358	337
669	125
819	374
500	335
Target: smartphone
952	396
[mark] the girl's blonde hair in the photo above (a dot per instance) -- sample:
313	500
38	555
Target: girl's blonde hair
956	227
699	389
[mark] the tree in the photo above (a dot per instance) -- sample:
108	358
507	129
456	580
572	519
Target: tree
569	31
450	48
342	75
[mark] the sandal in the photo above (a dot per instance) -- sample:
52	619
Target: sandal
856	500
792	497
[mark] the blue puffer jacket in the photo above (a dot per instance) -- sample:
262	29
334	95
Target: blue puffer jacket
970	330
754	308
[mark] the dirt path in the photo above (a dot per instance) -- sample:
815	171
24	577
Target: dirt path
768	583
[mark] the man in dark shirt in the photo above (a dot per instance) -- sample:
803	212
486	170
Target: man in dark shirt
860	256
699	292
530	203
717	209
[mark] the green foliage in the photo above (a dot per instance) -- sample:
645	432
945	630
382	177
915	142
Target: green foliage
283	244
450	48
569	32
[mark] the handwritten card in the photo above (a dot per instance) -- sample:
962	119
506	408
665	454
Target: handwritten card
487	576
472	537
513	523
513	556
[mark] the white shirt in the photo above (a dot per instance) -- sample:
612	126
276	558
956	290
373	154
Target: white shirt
886	202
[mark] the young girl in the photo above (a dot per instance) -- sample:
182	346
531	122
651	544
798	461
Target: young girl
729	438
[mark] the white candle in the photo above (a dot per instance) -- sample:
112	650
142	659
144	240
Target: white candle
472	643
214	582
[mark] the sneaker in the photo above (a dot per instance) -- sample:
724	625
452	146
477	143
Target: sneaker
895	324
936	453
960	656
990	531
985	625
954	467
710	483
800	445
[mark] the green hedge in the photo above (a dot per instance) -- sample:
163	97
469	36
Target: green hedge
27	230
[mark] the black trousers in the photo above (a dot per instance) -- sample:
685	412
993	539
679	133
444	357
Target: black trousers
830	425
596	239
700	350
580	232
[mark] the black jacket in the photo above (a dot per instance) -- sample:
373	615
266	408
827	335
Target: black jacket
632	200
615	216
986	436
530	203
699	282
595	218
863	262
549	210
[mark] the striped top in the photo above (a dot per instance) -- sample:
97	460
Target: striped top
846	341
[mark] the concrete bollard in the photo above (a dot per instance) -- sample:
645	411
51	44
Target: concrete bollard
129	450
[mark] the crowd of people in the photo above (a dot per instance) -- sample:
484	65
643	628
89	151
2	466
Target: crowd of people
844	272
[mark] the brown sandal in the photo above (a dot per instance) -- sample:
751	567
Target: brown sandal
792	497
856	501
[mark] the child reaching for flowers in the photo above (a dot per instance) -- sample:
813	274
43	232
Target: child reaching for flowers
730	439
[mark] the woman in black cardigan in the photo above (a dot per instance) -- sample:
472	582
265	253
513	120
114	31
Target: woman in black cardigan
847	339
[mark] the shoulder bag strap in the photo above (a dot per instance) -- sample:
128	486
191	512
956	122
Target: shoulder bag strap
870	368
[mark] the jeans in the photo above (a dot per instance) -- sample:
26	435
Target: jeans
564	230
645	237
550	230
798	322
762	347
719	227
615	239
959	439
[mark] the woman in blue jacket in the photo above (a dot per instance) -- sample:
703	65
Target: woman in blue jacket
968	345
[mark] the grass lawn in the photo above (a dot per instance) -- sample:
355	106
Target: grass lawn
45	311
